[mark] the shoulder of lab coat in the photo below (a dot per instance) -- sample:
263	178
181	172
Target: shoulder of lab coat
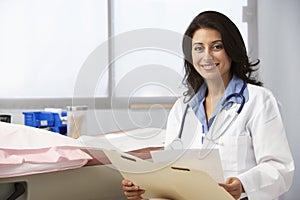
273	174
174	121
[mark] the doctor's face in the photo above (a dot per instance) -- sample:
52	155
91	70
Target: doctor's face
209	56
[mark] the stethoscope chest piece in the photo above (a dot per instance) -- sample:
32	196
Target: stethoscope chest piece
176	144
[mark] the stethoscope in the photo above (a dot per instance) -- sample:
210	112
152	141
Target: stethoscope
178	144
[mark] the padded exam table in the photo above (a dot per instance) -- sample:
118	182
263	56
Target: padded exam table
95	181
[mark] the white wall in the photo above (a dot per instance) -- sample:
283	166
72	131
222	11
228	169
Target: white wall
279	42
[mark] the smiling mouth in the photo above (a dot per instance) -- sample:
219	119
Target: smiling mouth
209	66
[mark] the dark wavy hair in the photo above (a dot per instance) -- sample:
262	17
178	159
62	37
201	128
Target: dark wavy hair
233	44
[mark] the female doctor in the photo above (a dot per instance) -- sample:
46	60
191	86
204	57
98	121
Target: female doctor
227	108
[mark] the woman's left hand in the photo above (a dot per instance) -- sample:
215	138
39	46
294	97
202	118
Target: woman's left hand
233	186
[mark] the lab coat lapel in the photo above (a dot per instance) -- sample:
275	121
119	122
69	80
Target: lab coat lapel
192	131
220	126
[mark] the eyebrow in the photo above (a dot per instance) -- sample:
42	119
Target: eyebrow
213	42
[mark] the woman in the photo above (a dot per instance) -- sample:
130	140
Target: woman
254	151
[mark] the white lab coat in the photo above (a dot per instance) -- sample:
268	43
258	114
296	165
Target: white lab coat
254	148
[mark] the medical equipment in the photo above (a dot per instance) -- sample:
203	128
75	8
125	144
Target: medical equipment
5	118
177	143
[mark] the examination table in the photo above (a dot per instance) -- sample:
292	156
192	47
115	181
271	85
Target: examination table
96	181
36	164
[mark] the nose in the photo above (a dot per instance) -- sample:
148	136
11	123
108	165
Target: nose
207	55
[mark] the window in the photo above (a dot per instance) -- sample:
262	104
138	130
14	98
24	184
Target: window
156	69
45	43
47	46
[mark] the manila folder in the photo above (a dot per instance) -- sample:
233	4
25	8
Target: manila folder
167	181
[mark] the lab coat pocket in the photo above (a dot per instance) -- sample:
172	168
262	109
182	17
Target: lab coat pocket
233	152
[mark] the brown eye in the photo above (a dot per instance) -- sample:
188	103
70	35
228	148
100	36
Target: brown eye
198	48
217	47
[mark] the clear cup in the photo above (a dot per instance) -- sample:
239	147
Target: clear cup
76	121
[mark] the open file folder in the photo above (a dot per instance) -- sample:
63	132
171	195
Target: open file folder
167	181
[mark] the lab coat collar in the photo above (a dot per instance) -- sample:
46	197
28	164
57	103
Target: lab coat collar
235	86
196	103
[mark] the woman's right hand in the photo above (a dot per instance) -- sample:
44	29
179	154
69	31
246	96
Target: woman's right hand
131	191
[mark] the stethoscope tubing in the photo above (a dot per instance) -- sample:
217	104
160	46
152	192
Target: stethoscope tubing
226	100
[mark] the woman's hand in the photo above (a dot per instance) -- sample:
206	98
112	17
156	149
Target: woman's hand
233	186
131	191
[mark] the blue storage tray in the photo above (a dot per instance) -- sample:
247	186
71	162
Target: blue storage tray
60	129
38	119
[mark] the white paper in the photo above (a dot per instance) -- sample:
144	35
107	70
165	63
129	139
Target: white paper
16	136
126	140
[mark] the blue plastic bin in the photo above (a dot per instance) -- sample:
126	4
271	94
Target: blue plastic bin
59	126
60	129
39	119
